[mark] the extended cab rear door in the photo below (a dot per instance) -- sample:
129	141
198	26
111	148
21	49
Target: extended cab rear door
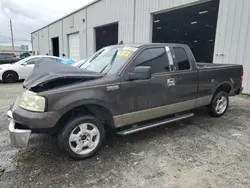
186	77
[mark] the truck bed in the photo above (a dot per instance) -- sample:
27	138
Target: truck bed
211	76
202	65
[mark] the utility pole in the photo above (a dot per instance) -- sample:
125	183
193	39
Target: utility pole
11	31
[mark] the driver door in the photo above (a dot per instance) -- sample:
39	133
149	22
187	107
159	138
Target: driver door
151	98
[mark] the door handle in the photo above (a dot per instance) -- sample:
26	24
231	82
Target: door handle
171	82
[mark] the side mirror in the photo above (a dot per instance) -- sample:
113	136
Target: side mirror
140	73
24	63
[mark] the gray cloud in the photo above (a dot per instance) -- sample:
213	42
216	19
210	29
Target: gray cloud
29	15
10	6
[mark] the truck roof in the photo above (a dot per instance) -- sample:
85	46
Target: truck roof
151	45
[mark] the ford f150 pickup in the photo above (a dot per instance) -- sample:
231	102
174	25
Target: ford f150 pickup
126	88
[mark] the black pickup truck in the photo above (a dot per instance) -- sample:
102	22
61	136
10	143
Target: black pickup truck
126	88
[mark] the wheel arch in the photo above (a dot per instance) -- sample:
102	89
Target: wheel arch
226	87
101	112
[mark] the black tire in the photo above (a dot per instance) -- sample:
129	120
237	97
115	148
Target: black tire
64	135
10	77
212	107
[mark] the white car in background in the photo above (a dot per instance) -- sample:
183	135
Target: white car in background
20	70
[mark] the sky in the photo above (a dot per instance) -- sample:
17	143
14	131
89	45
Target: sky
30	15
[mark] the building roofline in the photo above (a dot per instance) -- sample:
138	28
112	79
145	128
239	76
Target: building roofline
77	10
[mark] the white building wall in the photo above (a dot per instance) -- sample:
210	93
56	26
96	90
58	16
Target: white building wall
55	30
43	41
134	19
232	43
35	41
73	24
110	11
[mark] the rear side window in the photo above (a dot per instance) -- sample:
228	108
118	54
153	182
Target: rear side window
156	58
181	58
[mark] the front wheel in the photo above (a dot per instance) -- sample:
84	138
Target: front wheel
219	104
10	77
82	137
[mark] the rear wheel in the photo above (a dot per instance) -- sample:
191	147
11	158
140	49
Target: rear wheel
10	77
219	104
82	137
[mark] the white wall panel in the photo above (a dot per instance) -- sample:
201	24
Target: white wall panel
35	41
43	41
233	36
78	26
55	30
110	11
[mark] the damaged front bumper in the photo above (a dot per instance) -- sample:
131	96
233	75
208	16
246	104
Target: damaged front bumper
18	137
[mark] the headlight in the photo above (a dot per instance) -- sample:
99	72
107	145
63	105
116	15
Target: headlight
33	102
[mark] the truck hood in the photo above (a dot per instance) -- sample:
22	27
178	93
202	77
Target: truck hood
48	75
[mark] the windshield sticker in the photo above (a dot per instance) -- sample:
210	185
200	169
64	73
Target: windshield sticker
130	48
125	53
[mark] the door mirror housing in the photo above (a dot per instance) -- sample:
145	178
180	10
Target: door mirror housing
140	73
24	63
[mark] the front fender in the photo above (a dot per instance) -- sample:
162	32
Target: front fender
82	102
63	102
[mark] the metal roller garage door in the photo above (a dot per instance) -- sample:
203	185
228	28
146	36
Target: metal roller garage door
74	46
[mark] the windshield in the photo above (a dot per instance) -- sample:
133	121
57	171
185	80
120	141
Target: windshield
109	60
80	62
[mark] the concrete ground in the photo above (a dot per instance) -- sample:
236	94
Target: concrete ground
196	153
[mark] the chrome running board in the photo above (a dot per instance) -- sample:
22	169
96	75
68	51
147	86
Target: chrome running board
155	124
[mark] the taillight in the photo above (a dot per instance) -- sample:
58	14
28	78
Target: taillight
12	54
241	78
